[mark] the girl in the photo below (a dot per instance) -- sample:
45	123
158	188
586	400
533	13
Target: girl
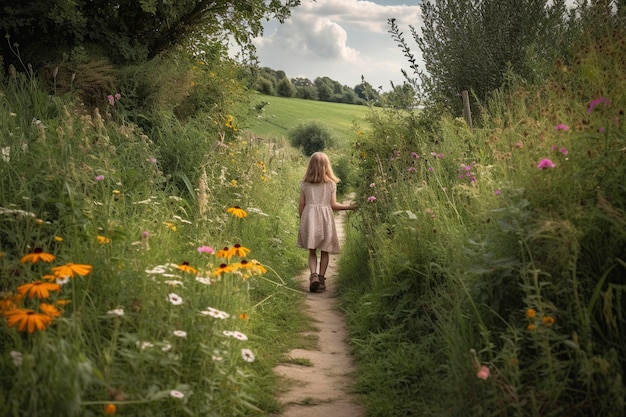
318	200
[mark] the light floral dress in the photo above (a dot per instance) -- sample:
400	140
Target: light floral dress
317	224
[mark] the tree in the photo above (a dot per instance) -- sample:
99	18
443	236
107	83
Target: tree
471	44
285	89
129	31
366	92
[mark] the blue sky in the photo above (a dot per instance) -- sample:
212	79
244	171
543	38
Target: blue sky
341	39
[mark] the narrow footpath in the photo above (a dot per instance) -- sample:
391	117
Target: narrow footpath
320	386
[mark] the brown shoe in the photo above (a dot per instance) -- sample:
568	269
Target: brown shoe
314	282
322	280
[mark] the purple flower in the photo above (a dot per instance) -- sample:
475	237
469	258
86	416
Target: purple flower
153	159
99	177
601	130
563	151
595	102
118	96
414	155
145	234
439	155
545	163
553	148
430	169
111	100
411	169
562	127
497	192
371	199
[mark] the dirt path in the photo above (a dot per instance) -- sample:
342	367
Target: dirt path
322	389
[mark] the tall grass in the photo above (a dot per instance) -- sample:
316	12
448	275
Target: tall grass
156	320
480	280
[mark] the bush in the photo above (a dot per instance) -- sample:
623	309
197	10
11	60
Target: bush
311	136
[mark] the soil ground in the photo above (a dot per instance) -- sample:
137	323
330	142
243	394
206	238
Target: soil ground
318	381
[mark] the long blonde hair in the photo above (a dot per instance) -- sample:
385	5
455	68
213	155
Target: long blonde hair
319	169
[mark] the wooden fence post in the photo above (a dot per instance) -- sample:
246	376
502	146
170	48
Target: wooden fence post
467	112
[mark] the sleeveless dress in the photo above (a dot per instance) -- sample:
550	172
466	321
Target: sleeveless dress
317	224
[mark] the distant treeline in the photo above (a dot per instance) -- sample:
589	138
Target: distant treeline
277	83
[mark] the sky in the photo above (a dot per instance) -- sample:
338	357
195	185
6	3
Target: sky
342	40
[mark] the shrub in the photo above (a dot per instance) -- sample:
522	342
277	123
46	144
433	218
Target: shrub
311	136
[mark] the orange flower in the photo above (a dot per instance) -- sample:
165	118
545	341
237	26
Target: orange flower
237	212
37	255
185	267
548	321
239	250
103	239
110	409
530	327
531	313
224	253
27	320
243	316
49	309
221	269
7	304
71	270
37	289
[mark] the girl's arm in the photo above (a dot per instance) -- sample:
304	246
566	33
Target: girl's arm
302	203
338	206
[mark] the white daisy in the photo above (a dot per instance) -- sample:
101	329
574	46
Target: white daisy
247	355
176	394
203	280
116	312
175	299
17	357
179	333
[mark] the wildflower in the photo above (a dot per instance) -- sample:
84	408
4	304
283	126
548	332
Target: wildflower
530	327
152	159
118	96
37	289
519	144
545	163
174	283
237	212
240	336
411	169
225	253
71	270
214	312
531	313
372	185
49	309
103	240
239	250
563	151
58	239
206	249
548	321
166	347
562	127
247	355
16	357
483	373
27	320
497	192
37	255
595	102
185	267
110	409
222	269
116	312
180	333
176	394
414	155
6	154
111	99
144	345
244	316
203	280
255	266
99	177
174	299
172	226
371	198
431	169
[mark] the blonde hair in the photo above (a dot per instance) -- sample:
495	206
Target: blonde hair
319	169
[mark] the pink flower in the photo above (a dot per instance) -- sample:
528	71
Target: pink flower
564	151
206	249
415	155
111	100
562	127
483	373
371	199
99	177
411	169
545	163
118	96
553	148
595	102
497	192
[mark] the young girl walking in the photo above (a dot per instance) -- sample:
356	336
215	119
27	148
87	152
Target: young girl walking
318	201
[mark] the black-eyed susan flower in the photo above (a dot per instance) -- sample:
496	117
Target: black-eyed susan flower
185	267
237	212
239	250
37	289
222	269
103	239
225	252
71	270
28	320
37	255
49	309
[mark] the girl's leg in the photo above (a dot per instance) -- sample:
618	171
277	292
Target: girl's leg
313	260
324	259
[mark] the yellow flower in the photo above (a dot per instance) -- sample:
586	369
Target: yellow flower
222	269
185	267
237	211
117	192
531	313
530	327
28	320
37	289
37	255
548	321
225	253
71	270
170	225
233	182
239	250
103	239
49	309
243	316
58	239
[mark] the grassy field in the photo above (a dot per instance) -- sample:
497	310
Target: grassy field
282	114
